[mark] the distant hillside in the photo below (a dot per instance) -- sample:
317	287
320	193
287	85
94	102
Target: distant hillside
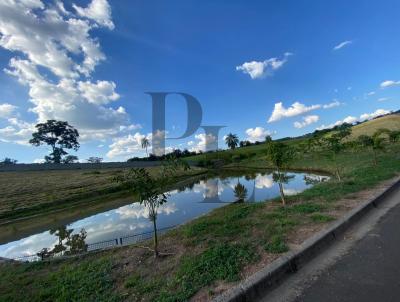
391	122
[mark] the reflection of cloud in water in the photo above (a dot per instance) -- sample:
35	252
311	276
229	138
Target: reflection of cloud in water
137	210
319	178
209	188
290	192
31	245
264	182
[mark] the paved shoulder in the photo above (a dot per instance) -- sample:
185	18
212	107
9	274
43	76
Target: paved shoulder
369	272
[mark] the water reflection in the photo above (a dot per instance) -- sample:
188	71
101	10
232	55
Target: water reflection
184	204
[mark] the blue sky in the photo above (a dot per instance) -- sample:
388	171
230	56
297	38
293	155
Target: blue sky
91	62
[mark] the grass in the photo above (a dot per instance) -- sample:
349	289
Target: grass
213	251
87	280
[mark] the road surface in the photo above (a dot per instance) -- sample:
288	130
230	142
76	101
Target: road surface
363	267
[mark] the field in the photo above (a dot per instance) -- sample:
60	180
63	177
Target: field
36	192
215	251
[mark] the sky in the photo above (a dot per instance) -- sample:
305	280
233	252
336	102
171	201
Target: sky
280	68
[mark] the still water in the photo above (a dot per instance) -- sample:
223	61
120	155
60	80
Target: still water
183	205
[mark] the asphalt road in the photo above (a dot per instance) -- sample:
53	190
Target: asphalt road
369	272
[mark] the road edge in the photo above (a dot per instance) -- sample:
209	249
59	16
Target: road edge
268	278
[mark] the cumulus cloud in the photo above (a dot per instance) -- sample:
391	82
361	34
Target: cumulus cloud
353	119
56	40
389	83
257	134
7	110
258	69
202	141
342	44
130	145
98	11
307	120
125	146
295	109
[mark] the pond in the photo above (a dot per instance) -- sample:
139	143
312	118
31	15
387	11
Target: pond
183	205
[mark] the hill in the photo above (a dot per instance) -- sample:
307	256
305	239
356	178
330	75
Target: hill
391	122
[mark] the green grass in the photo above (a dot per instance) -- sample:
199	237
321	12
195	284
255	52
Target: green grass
89	280
222	261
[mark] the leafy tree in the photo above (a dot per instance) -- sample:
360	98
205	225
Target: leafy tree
142	183
378	145
280	155
145	144
232	140
148	188
335	144
240	192
394	136
70	159
94	160
59	136
8	161
268	139
375	142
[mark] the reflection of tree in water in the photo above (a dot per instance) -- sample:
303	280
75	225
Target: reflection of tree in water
68	243
281	178
240	192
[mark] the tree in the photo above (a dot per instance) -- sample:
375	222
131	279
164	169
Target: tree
280	155
8	161
70	159
335	144
232	140
94	160
378	145
148	188
394	136
240	192
140	181
59	136
375	142
268	139
145	144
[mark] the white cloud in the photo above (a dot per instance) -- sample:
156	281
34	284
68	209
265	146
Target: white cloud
98	11
6	110
367	116
202	141
382	99
371	93
258	69
342	44
307	120
257	134
125	146
353	119
295	109
99	93
332	105
389	83
50	37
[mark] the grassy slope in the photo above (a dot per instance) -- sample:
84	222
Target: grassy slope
391	122
209	252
